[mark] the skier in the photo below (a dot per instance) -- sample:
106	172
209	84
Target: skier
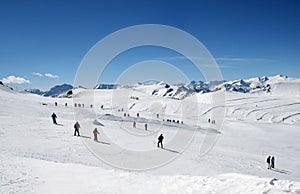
272	162
134	124
95	132
160	139
76	127
54	118
269	162
146	126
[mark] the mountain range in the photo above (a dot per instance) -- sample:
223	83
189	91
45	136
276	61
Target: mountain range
180	91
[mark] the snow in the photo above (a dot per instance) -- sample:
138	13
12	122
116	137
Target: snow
39	157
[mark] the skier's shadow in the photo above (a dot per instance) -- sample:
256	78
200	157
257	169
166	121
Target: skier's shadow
60	124
281	171
85	137
102	142
174	151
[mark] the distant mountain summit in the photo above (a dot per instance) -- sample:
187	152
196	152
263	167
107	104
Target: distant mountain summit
56	91
106	86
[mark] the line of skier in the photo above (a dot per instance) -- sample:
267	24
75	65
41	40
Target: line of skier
96	132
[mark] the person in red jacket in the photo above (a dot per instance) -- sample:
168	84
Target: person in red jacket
96	132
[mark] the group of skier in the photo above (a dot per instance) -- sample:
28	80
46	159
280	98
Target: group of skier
271	162
77	127
134	125
96	132
174	121
211	121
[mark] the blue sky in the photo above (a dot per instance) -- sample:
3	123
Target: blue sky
42	43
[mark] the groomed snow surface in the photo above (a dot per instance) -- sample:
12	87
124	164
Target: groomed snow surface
37	156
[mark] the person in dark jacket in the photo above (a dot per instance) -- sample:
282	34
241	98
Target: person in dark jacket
160	140
54	118
76	127
134	124
272	162
269	162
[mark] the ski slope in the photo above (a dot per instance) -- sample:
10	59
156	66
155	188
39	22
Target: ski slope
39	157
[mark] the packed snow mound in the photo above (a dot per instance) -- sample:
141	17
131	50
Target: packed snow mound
6	88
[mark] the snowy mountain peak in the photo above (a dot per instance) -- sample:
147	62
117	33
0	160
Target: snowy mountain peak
56	91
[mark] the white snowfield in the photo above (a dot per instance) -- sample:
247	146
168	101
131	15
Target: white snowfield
37	156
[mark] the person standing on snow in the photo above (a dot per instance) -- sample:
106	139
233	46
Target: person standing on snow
272	162
96	132
76	127
54	118
269	162
134	124
160	140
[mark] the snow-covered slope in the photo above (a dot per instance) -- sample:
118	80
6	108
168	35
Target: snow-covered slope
39	157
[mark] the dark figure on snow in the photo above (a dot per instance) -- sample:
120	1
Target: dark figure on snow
96	132
134	124
269	162
272	162
160	140
55	103
76	127
54	118
146	126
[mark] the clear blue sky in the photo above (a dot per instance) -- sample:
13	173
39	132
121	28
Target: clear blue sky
43	42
